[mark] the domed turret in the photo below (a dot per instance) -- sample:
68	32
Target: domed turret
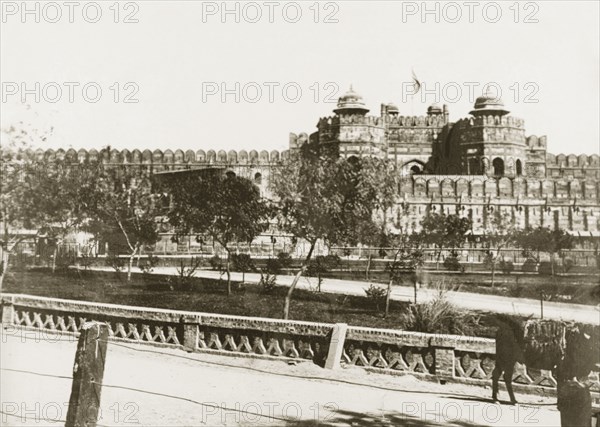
434	110
489	104
351	103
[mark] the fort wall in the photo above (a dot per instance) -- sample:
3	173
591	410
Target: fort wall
570	201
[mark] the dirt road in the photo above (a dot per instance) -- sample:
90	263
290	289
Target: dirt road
152	386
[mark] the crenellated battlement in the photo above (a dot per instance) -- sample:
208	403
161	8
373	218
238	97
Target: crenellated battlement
474	186
296	141
536	143
388	120
507	121
572	161
163	158
351	119
416	121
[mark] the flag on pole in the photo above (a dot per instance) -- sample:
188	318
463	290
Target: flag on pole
416	82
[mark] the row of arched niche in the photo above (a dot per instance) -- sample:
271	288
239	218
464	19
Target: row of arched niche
164	157
423	185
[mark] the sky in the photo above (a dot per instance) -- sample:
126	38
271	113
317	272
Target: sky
243	75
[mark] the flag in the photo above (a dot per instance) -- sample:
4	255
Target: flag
416	82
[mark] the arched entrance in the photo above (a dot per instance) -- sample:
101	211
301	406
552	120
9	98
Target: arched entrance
474	168
413	167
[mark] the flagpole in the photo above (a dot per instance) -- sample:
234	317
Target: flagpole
417	84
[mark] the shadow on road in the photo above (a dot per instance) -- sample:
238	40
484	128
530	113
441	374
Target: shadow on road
356	419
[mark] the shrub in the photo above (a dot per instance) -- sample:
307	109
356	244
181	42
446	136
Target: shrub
568	264
548	291
321	265
148	264
86	261
285	259
277	265
242	263
507	267
451	263
267	283
64	260
439	316
545	268
183	280
376	295
529	265
272	266
515	291
114	261
216	263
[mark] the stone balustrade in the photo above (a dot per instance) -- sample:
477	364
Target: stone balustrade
442	357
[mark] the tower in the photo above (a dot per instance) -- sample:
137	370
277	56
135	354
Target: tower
490	143
356	133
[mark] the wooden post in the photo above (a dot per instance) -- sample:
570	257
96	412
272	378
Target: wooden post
416	290
88	372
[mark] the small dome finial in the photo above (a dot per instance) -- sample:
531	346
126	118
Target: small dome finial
351	103
489	103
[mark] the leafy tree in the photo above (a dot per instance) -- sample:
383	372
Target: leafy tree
126	206
322	197
499	234
12	213
227	208
372	237
45	195
444	231
535	241
408	260
243	263
57	195
382	178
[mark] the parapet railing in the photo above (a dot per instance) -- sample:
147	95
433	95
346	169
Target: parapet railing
437	356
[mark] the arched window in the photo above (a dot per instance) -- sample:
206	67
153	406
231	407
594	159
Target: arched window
519	167
230	174
257	178
415	170
498	165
